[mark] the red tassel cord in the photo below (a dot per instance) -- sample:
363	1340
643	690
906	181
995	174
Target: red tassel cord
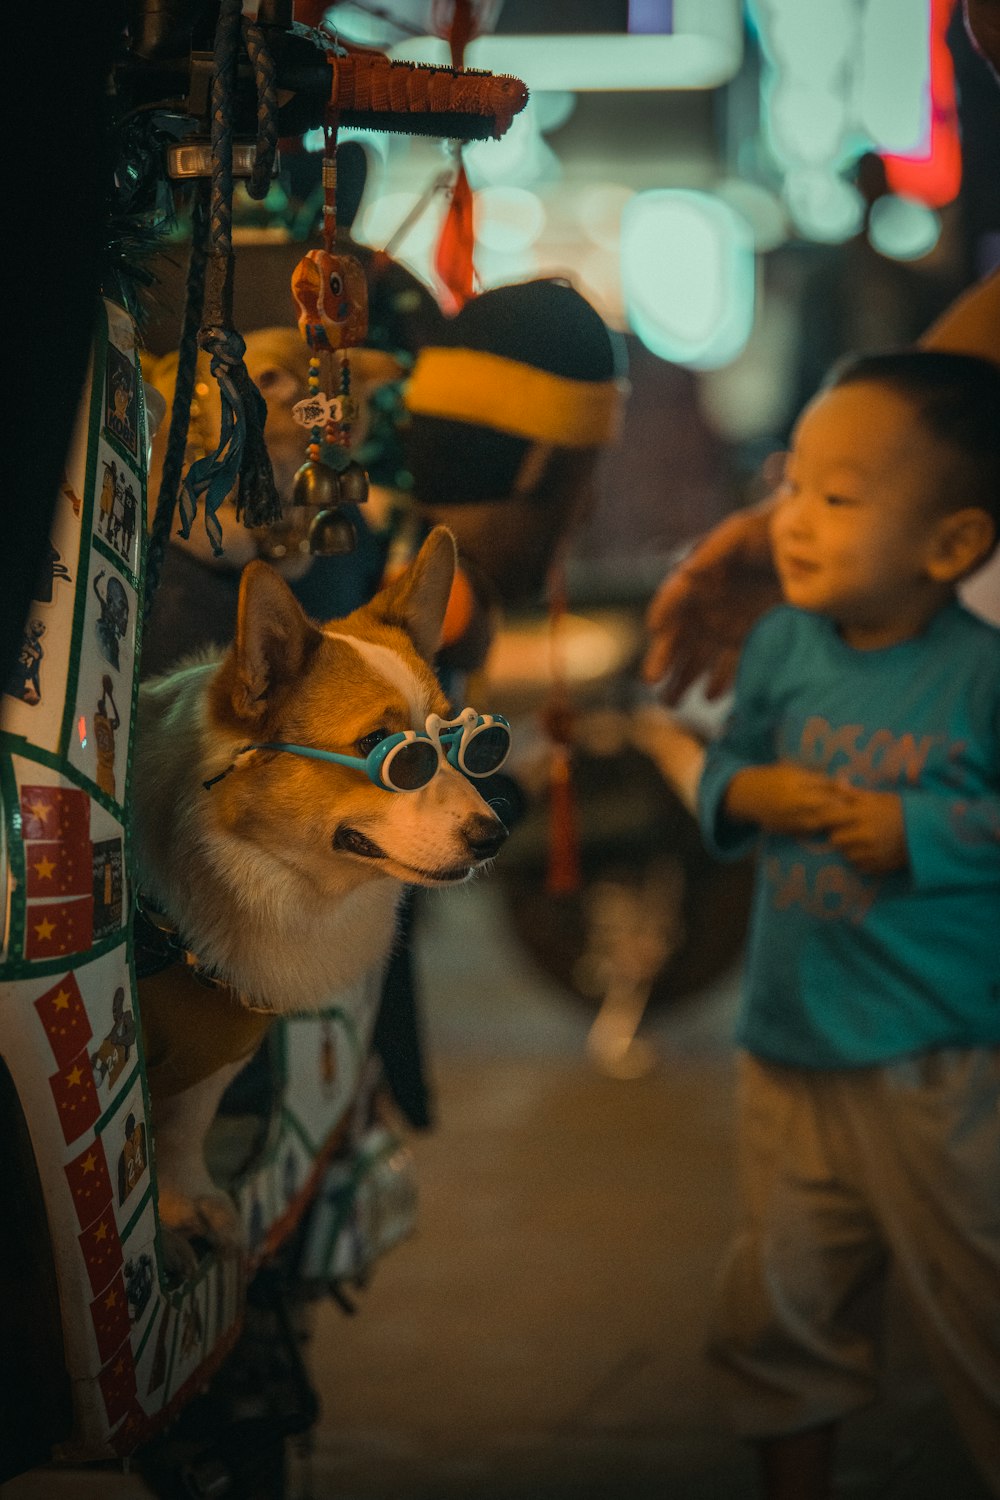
564	875
453	257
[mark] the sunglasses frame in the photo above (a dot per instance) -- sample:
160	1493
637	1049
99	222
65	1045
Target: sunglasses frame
450	737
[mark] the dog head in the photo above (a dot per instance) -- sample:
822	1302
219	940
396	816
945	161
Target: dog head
342	687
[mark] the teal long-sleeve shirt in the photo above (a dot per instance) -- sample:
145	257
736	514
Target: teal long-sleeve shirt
846	969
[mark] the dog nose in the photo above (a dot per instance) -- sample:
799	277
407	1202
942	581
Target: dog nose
485	838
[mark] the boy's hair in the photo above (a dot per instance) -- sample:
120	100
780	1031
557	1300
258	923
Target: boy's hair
957	400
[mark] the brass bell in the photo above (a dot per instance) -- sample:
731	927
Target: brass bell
332	533
316	485
353	484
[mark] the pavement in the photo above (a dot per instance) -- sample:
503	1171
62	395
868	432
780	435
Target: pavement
542	1333
540	1337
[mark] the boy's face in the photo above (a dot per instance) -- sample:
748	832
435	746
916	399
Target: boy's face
854	529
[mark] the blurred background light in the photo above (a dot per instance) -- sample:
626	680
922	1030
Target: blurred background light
382	222
823	206
501	267
363	26
553	107
763	211
687	276
931	167
893	97
814	36
903	228
842	77
806	123
521	157
598	211
508	219
703	49
749	397
598	275
584	63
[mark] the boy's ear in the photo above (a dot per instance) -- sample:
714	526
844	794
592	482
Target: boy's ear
961	541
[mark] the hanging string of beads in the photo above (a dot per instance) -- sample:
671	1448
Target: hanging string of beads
331	294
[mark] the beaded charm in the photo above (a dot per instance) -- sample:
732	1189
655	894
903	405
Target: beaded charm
332	297
331	294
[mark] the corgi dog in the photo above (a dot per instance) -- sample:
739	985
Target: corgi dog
270	837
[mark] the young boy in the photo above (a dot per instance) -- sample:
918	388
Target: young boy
862	757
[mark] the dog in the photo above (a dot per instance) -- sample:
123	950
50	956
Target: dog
281	874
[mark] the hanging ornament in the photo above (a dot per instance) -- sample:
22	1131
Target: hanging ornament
453	257
331	294
332	297
453	260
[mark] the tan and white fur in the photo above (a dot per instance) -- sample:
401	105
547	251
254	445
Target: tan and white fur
285	876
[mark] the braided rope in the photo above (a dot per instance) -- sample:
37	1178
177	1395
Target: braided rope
227	40
241	456
180	416
267	110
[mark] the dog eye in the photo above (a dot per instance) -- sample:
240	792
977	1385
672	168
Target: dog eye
367	744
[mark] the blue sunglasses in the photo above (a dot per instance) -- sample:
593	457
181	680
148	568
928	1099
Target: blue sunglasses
476	744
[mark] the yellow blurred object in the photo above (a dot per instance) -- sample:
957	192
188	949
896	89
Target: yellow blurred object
461	608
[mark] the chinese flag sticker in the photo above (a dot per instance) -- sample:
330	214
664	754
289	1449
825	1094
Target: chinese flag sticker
52	928
102	1251
57	869
55	812
131	1432
75	1093
109	1312
89	1182
63	1015
118	1385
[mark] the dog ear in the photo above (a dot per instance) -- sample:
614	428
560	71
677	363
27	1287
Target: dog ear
274	637
419	598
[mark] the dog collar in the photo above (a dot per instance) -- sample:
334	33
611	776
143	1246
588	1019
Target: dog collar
158	945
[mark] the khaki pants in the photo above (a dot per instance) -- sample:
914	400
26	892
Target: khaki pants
844	1173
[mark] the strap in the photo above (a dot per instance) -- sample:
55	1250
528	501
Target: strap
156	942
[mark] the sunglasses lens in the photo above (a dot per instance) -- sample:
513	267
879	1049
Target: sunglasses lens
412	766
487	750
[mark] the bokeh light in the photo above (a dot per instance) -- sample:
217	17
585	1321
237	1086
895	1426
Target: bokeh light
903	228
687	276
823	206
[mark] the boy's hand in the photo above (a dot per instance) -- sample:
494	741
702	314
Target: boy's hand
702	612
868	830
785	798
